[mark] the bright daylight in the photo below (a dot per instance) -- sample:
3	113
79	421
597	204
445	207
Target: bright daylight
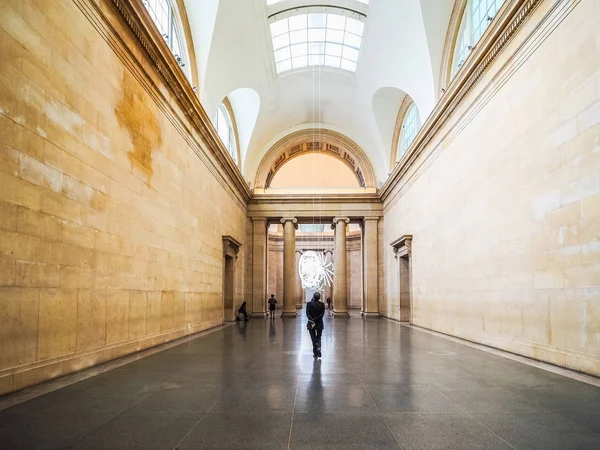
300	224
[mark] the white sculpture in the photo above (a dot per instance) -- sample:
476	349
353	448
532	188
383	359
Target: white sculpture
315	271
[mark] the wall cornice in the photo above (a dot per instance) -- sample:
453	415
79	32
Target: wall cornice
506	24
110	17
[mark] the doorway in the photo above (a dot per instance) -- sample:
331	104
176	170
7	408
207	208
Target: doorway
405	304
403	253
228	310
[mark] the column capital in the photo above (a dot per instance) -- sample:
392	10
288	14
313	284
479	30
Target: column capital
283	220
259	219
337	219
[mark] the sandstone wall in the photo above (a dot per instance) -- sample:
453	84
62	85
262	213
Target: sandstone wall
110	223
504	203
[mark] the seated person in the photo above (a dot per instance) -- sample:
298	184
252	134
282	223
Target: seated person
242	311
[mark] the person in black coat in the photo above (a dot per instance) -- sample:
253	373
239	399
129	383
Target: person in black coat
242	311
315	310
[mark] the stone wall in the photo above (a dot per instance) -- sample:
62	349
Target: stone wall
504	201
111	223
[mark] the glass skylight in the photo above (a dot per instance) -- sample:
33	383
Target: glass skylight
272	2
316	39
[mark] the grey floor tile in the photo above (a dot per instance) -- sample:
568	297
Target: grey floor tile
179	400
547	431
328	379
137	430
268	399
410	399
351	398
340	431
588	420
433	431
41	430
493	401
240	431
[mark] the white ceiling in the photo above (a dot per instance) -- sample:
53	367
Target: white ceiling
401	53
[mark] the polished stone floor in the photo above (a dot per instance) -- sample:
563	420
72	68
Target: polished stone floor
255	385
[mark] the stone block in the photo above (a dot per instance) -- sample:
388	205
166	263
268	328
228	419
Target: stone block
167	311
39	224
60	206
9	160
38	173
91	319
8	271
137	314
117	316
153	312
19	192
19	330
58	323
76	277
8	216
33	274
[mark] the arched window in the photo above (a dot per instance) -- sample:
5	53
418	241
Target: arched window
476	18
410	127
166	19
224	126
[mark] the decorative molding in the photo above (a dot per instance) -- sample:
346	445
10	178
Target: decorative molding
402	246
326	142
507	22
231	246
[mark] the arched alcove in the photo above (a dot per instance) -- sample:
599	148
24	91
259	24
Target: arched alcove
321	141
314	171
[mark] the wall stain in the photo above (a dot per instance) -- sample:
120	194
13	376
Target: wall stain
136	114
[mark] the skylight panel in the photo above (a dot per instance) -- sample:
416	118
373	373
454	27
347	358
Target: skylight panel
274	2
317	39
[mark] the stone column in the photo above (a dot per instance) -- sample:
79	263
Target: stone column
329	289
340	282
370	306
299	290
289	266
259	267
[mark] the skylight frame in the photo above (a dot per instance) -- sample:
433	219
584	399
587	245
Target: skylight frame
306	37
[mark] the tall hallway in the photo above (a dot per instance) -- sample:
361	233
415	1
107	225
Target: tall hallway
255	385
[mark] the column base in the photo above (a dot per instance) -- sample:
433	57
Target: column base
340	314
258	314
369	315
289	314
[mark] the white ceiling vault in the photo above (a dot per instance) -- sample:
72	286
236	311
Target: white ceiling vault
400	54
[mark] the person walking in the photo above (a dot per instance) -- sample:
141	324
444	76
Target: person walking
272	303
328	302
315	310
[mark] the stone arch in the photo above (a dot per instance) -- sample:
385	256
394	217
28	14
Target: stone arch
306	141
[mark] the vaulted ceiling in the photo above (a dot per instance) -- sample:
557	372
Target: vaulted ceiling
401	54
